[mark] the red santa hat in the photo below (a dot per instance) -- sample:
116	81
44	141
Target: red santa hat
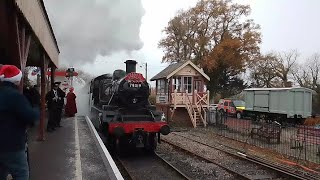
10	73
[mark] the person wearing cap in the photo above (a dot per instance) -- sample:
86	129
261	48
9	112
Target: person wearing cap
71	106
16	115
55	103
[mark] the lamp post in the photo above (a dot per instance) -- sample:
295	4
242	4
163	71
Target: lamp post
146	69
69	74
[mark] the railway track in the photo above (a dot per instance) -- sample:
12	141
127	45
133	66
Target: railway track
260	172
151	166
292	172
138	165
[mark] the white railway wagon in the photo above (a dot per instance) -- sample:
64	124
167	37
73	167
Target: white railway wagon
279	102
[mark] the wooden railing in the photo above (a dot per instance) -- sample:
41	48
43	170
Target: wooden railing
192	113
201	101
179	98
196	105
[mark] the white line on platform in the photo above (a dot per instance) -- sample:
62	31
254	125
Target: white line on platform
78	157
111	166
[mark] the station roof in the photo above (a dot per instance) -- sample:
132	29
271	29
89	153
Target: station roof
35	13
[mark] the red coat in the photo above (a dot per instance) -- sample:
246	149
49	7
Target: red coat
71	107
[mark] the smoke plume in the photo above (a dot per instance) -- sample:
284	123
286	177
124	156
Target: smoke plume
87	28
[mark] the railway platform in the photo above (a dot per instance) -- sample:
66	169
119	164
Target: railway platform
74	151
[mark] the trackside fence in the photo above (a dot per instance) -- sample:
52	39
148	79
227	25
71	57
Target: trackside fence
298	141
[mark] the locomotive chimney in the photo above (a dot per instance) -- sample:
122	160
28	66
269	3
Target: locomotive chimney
130	66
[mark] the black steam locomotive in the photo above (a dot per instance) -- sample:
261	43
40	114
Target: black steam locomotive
120	109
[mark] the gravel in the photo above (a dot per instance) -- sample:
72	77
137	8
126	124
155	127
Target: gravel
239	165
193	167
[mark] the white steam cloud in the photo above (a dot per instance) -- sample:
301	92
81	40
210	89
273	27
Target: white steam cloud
87	28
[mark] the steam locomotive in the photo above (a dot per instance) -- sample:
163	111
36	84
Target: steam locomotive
121	111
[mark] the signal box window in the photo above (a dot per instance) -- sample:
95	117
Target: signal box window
187	84
226	103
161	86
176	83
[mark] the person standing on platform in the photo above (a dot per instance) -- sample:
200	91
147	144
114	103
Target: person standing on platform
61	95
16	114
71	106
55	102
26	93
34	96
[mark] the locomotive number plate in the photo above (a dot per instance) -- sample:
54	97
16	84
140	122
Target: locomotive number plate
134	85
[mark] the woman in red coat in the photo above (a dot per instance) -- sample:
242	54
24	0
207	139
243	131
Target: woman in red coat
71	107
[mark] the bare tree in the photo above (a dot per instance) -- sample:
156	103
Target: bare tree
307	74
301	75
314	69
285	64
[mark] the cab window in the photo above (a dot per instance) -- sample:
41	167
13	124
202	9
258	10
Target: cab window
226	103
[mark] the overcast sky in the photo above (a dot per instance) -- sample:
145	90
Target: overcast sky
131	29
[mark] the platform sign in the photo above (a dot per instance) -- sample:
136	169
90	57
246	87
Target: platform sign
70	72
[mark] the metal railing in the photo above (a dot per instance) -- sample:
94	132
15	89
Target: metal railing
296	141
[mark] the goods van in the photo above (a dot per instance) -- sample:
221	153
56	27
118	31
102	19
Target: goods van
280	104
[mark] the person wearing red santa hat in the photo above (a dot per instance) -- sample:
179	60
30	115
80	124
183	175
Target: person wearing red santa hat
16	114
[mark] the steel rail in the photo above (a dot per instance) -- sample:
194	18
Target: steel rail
173	167
207	160
122	164
168	164
277	168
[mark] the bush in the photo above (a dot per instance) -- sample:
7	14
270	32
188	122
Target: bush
152	100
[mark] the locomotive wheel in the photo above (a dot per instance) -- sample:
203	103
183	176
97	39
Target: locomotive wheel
100	129
121	146
111	144
103	128
152	143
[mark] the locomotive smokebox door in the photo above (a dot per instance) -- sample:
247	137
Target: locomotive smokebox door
130	66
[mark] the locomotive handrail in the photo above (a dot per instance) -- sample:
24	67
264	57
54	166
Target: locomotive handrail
154	119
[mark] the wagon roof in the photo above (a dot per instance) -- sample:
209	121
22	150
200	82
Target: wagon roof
278	89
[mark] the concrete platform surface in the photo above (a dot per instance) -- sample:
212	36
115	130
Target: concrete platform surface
69	152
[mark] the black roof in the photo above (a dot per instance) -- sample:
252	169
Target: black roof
168	70
103	76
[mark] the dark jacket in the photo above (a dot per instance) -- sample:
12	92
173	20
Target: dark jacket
16	114
34	97
55	105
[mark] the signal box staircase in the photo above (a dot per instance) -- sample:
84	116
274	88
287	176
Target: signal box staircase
196	106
